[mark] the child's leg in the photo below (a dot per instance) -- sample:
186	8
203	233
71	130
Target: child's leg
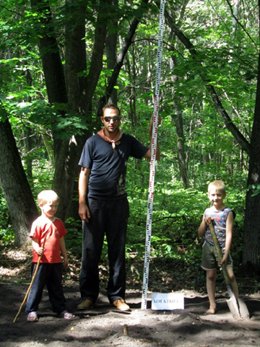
35	294
211	288
55	289
233	281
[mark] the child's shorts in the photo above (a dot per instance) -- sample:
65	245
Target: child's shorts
210	257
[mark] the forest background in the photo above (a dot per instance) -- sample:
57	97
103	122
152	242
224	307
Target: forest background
62	61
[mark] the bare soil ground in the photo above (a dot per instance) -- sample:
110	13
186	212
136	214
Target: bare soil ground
105	326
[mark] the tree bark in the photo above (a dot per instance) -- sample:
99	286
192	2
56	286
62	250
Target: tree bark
111	44
49	51
15	186
180	144
74	95
52	65
78	92
178	120
251	253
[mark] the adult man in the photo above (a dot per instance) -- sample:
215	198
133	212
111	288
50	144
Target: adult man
103	206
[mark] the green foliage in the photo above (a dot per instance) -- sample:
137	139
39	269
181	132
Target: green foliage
226	59
255	188
42	175
6	231
74	236
177	214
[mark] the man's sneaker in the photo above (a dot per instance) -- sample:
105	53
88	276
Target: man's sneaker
85	305
121	305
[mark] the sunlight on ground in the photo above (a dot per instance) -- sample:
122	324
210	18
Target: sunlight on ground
13	262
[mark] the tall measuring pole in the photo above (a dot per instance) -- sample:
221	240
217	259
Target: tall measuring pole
153	159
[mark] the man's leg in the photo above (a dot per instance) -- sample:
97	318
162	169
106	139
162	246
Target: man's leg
93	235
118	213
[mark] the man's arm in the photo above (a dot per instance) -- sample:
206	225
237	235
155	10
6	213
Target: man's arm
148	153
83	187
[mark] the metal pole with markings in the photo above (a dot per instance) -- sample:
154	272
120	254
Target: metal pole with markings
153	159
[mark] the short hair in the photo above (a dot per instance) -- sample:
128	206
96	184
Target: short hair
114	107
217	185
46	196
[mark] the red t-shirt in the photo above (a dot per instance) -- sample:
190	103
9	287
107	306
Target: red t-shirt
54	230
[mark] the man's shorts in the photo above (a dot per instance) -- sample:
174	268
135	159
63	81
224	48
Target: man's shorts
210	257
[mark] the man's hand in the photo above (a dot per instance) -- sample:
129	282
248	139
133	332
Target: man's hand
151	124
84	212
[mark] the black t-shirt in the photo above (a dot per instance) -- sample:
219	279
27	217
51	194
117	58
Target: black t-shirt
108	166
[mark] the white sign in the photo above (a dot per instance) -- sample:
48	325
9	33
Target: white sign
171	301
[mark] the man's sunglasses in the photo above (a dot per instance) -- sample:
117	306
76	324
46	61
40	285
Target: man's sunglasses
108	119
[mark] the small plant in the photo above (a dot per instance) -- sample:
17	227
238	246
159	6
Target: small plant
7	236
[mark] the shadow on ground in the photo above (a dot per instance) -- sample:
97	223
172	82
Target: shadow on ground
104	326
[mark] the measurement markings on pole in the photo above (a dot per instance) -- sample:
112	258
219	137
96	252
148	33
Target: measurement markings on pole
153	159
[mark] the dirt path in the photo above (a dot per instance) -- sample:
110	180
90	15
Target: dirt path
105	327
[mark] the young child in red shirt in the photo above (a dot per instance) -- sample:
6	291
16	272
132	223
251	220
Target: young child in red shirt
47	234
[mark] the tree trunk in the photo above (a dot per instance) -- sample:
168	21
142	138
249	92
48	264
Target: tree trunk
78	92
15	186
251	255
178	120
28	157
111	44
28	138
180	145
121	56
81	90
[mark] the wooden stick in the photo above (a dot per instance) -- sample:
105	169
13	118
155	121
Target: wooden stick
30	286
220	255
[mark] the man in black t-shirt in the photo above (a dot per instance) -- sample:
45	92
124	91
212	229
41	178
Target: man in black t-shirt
103	206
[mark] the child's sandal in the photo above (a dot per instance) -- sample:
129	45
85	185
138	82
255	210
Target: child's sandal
32	317
67	315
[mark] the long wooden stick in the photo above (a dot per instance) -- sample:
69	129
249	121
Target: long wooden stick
220	255
30	286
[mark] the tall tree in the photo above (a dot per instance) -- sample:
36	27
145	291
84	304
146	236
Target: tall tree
251	255
71	89
14	183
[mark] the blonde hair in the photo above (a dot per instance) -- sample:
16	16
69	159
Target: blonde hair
220	185
46	196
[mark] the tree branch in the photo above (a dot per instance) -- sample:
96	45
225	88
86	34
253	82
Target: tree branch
242	141
120	58
238	22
